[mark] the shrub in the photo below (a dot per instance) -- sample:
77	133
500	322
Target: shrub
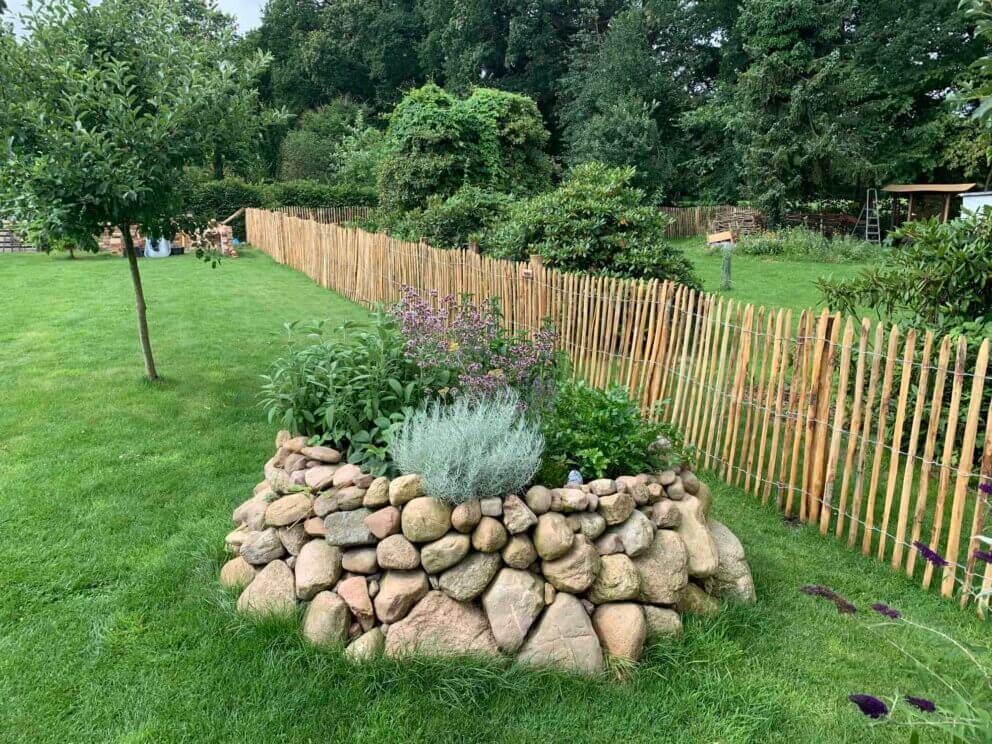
436	143
469	343
207	200
936	276
595	221
351	388
801	242
453	222
602	434
470	449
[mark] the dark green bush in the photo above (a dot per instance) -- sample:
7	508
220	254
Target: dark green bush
216	200
436	143
602	434
453	222
936	276
593	222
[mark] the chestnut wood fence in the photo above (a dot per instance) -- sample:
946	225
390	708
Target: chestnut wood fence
877	437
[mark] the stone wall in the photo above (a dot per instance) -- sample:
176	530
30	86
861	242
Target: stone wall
560	576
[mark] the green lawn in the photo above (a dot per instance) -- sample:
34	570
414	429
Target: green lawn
764	281
115	497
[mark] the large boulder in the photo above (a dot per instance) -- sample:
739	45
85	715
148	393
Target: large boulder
367	646
318	567
662	621
590	524
636	533
466	515
468	579
440	625
360	560
517	516
663	569
348	528
270	593
377	494
732	579
512	603
694	601
355	593
293	538
552	536
621	628
576	570
397	552
262	546
237	573
320	477
398	592
445	552
617	580
321	454
384	522
425	519
251	513
489	535
326	621
699	542
617	507
405	489
564	638
519	552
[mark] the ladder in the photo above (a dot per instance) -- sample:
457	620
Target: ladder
869	217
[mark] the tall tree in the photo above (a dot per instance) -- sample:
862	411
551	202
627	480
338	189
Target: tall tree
105	109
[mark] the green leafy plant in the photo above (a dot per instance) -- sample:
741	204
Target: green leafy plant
601	433
937	276
594	221
468	450
803	243
453	222
352	387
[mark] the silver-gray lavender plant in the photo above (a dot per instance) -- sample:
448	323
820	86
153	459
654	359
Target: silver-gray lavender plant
470	449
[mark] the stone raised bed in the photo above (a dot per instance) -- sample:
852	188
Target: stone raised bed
558	577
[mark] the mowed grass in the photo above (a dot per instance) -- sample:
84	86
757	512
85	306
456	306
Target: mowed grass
771	282
115	497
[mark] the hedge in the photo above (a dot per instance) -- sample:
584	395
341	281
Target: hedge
208	200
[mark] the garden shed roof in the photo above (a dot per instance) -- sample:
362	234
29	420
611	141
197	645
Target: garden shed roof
928	188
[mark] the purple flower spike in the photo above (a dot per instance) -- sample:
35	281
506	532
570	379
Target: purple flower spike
932	556
883	609
923	704
870	705
985	488
983	555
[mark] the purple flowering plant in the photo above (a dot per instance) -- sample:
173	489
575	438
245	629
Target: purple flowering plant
964	712
467	344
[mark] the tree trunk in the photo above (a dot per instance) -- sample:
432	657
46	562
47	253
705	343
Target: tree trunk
218	163
139	301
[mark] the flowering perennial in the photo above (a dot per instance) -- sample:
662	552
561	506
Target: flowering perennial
470	341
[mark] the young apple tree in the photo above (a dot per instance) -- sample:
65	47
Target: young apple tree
104	109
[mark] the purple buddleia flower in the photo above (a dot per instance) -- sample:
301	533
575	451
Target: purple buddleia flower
883	609
985	488
870	705
816	590
985	556
931	556
927	706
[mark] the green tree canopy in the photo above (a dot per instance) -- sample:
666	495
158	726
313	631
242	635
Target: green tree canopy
105	108
436	143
